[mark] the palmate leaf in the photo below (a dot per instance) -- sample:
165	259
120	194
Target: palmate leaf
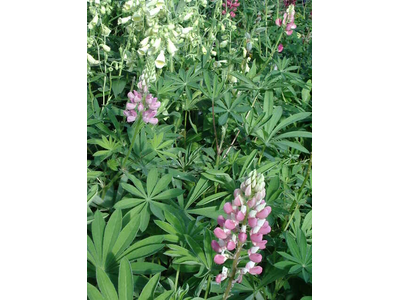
144	201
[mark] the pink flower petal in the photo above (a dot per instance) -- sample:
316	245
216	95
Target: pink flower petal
256	270
219	233
228	208
242	237
219	259
256	257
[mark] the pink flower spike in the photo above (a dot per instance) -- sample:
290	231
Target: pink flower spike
242	237
223	12
280	48
232	14
230	224
256	257
236	192
240	216
215	246
257	237
221	220
131	96
219	233
278	22
228	208
256	270
218	279
252	222
231	245
219	259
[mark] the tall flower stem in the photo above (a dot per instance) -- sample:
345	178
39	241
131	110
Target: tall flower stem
234	268
138	123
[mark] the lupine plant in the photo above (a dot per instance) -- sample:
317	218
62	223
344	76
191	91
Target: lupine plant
199	149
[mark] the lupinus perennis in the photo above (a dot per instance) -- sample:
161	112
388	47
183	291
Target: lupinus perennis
141	101
246	216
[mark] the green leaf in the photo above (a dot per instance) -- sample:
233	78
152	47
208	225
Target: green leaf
296	146
223	118
125	281
201	186
247	163
146	268
126	237
165	295
149	288
144	218
292	134
136	181
196	249
290	120
162	184
98	226
168	194
283	264
131	189
128	203
244	79
151	180
144	251
293	246
118	86
212	198
105	285
94	293
111	233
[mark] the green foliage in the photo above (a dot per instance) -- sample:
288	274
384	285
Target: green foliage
230	103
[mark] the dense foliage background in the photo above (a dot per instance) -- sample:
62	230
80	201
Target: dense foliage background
231	101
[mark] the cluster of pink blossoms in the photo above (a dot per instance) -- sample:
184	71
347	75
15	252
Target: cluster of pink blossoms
143	102
230	6
247	209
288	20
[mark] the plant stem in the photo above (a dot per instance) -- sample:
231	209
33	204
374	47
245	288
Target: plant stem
139	120
177	277
208	287
235	261
234	267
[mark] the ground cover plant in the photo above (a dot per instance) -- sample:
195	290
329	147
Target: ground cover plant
199	149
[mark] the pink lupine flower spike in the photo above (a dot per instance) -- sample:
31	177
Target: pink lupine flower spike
246	218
